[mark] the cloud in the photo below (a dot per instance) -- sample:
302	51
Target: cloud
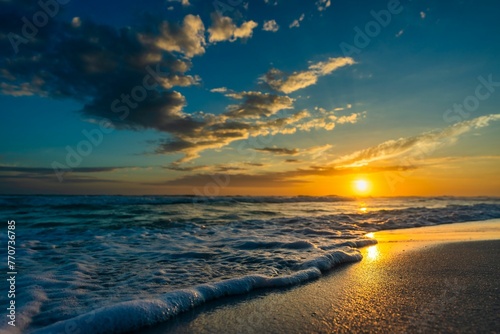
228	168
218	168
273	179
29	178
296	23
184	3
314	151
22	89
289	83
76	22
257	104
256	115
18	177
352	118
327	120
317	124
220	131
42	170
321	5
187	38
390	152
219	90
107	69
254	164
177	168
278	150
456	161
317	151
235	180
129	77
223	29
420	145
270	25
220	134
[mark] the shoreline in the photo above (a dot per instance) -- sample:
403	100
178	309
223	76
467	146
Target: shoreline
437	278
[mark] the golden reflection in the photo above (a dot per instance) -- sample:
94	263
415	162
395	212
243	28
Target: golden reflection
372	253
370	235
362	207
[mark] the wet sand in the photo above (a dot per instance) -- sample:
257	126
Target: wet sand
421	280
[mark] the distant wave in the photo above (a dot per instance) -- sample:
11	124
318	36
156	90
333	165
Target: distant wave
99	201
91	202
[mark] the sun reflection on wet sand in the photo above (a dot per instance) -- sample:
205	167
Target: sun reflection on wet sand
372	253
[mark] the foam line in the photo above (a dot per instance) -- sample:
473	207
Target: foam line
133	315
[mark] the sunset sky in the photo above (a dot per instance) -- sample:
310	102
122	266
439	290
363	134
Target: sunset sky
251	97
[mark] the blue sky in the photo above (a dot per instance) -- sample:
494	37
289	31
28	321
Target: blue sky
265	93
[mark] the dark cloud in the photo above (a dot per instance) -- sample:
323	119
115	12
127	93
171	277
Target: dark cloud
215	168
48	177
225	168
128	76
234	180
26	175
254	164
257	104
279	150
274	179
218	131
125	75
177	168
42	170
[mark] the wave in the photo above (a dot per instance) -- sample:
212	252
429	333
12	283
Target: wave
159	251
136	314
97	201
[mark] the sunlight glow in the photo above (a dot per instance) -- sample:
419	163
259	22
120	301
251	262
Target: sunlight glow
361	186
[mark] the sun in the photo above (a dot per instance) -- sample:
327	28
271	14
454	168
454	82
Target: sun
361	186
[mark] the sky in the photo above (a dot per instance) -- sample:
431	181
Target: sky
258	97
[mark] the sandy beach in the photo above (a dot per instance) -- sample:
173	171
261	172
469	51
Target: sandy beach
431	279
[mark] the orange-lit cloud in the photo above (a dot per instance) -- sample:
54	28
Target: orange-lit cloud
223	29
289	83
423	144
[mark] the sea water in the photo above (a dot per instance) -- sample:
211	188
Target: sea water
101	264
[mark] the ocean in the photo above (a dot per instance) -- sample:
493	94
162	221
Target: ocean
102	264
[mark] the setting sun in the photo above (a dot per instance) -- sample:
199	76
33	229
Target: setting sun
361	186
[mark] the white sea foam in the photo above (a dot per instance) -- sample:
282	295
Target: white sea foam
133	315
